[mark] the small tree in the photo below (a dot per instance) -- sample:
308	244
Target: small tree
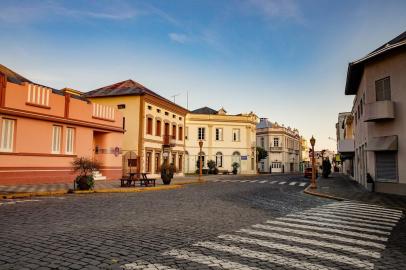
84	167
211	164
261	153
326	165
167	172
235	166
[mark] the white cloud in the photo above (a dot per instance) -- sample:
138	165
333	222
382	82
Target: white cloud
270	9
178	37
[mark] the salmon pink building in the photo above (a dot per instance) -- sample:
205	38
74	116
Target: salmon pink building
42	130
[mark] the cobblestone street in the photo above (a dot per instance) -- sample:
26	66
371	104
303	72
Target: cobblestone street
228	223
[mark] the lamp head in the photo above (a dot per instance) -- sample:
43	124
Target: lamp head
312	141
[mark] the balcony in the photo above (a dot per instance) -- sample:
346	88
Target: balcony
346	146
380	110
169	140
276	149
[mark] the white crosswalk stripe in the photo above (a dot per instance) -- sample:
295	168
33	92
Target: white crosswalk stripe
302	184
207	260
10	202
307	240
273	182
276	259
300	250
263	181
331	230
278	231
294	183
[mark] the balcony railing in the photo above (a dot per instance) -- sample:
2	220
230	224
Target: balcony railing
380	110
169	140
276	148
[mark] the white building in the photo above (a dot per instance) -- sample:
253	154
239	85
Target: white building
226	139
283	147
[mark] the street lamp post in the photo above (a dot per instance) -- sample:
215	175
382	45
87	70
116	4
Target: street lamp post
313	184
200	160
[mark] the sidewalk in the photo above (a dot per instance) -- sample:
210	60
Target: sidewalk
104	185
341	186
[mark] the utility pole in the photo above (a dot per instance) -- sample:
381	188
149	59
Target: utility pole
174	97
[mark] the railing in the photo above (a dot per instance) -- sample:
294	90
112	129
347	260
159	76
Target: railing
169	140
276	148
103	112
38	95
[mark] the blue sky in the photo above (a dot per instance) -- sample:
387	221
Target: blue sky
284	60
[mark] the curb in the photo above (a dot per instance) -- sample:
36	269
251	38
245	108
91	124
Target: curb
309	191
80	192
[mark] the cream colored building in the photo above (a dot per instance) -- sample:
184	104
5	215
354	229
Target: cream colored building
282	144
304	154
345	142
378	83
226	139
154	126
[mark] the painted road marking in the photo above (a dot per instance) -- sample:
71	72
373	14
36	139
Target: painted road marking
292	183
282	183
264	181
302	184
273	258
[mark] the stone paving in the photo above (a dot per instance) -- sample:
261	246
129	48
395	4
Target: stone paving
342	186
219	225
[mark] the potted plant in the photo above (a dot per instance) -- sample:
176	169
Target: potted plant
211	164
167	171
235	166
326	167
84	167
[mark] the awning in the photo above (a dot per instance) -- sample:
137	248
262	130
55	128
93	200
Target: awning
386	143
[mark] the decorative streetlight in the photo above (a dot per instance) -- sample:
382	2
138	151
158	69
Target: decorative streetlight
200	160
313	184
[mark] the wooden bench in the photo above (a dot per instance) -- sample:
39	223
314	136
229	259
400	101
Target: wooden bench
132	178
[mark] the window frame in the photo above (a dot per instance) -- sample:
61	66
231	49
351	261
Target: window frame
219	135
72	136
201	133
59	141
238	133
11	135
386	92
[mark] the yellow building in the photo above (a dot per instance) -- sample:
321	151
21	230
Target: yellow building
154	126
226	139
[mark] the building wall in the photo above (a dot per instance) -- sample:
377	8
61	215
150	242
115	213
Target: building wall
395	67
31	159
280	158
245	146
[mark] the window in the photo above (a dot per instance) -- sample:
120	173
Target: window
124	123
180	133
276	142
149	107
7	135
180	163
382	89
174	159
132	162
70	139
56	139
236	135
158	110
219	159
174	131
149	126
386	166
186	132
148	162
166	130
219	134
158	128
262	142
201	133
202	155
157	162
121	106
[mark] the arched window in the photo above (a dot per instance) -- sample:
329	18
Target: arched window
236	153
219	159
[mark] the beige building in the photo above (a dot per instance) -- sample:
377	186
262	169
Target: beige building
282	144
154	126
345	142
304	154
378	82
226	139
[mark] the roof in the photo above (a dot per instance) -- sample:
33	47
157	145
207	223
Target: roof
356	68
204	110
12	76
126	88
264	123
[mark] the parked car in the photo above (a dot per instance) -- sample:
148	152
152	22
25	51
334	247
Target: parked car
308	173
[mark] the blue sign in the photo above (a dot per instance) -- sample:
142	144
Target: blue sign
244	157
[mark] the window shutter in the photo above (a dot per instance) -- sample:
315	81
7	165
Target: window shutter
386	169
386	89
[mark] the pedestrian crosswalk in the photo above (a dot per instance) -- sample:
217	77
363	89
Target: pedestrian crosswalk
341	235
294	183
